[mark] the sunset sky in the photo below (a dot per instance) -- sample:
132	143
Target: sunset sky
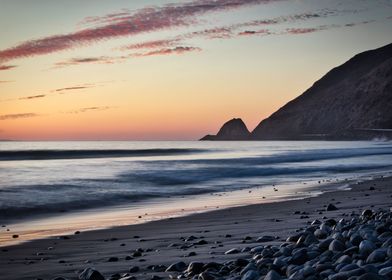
168	70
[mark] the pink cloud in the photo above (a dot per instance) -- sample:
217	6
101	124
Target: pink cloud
6	67
168	51
152	44
143	20
253	32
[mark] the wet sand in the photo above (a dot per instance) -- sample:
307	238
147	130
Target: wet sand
164	242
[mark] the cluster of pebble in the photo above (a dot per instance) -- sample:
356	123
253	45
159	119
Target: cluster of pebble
354	248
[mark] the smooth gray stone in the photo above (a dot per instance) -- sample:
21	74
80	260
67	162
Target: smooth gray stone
376	256
371	276
336	246
178	267
349	267
347	274
257	249
272	275
91	274
251	275
386	272
232	251
366	247
323	245
195	267
265	238
249	266
355	239
344	259
387	243
299	257
320	234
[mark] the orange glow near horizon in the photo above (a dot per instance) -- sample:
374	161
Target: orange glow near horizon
96	75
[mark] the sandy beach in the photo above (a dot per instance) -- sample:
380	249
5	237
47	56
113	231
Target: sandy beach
201	237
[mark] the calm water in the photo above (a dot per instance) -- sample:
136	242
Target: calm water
55	177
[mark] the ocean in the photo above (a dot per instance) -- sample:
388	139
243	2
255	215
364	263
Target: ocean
49	188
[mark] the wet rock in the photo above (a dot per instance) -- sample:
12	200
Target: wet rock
134	269
177	267
331	207
366	247
91	274
336	246
376	256
386	272
113	259
370	276
195	268
232	251
272	275
251	275
265	238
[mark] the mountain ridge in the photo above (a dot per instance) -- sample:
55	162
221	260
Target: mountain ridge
352	101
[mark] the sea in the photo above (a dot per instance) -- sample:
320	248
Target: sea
55	188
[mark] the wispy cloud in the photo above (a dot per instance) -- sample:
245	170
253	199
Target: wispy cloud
62	90
3	82
88	109
18	116
6	67
87	60
32	97
143	20
153	44
168	51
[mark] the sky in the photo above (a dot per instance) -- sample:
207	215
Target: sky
168	70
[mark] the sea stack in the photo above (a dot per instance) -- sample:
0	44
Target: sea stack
235	129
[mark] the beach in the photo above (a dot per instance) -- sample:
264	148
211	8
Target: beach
203	237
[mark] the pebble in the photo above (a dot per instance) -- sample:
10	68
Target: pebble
91	274
356	247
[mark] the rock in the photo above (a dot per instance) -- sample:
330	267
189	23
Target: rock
370	276
299	257
265	238
320	234
232	251
331	207
344	259
235	129
366	247
249	266
134	269
367	213
128	278
178	267
251	275
387	243
195	268
201	242
113	259
376	256
272	275
206	276
91	274
387	272
336	246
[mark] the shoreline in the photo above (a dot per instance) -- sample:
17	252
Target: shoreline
49	226
223	229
